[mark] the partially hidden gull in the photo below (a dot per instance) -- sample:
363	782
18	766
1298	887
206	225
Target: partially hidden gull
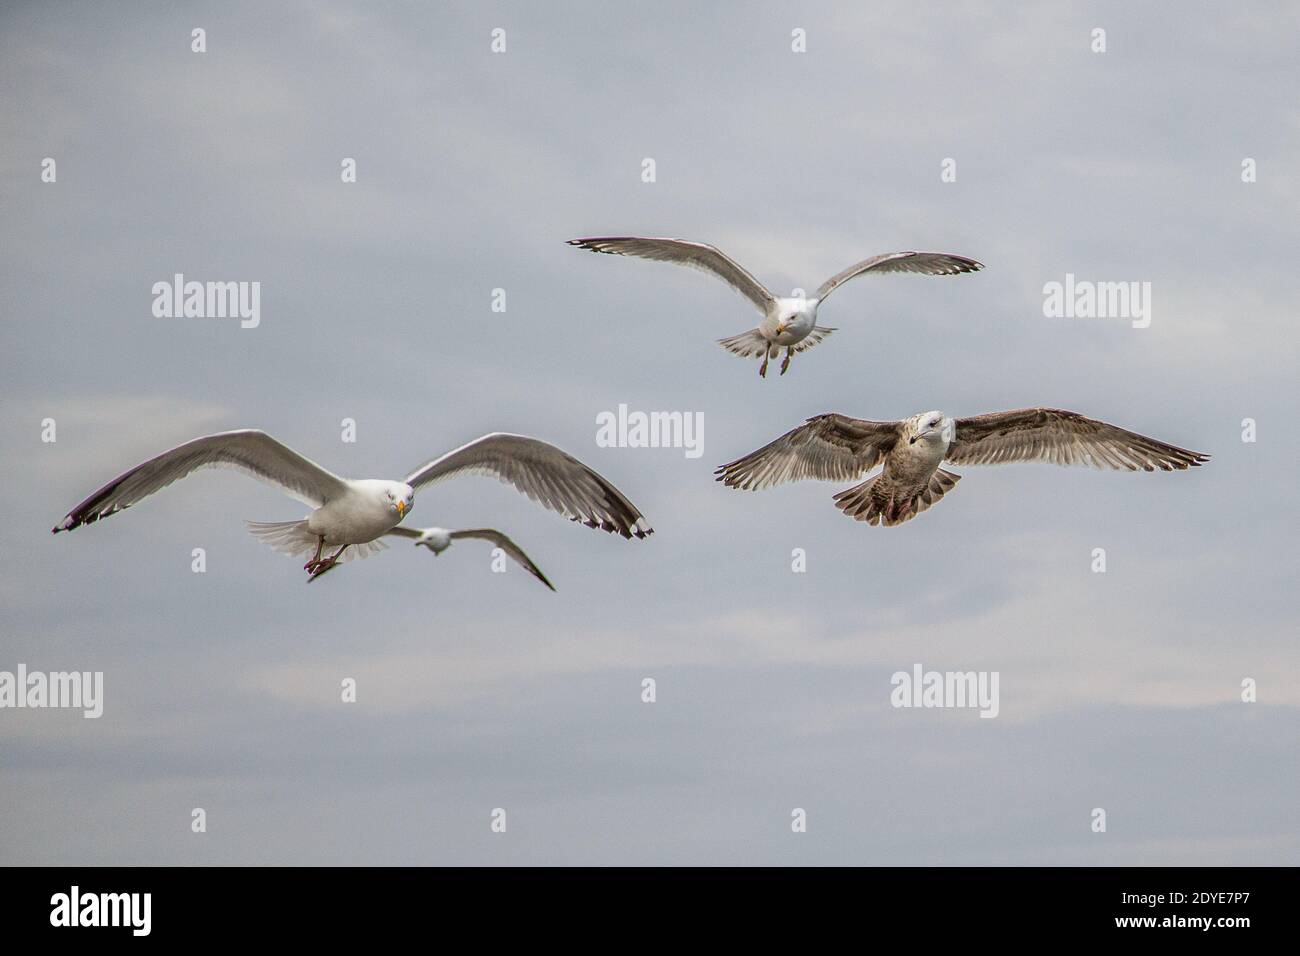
788	322
349	515
839	448
438	540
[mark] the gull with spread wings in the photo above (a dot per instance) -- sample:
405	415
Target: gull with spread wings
838	448
349	516
438	540
789	323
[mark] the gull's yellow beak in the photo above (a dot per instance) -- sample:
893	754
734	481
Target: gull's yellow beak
401	509
780	330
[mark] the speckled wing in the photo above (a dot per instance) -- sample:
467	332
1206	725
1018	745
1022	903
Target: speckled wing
828	447
1062	438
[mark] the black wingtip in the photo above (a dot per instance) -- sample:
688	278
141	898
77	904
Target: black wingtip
589	244
723	474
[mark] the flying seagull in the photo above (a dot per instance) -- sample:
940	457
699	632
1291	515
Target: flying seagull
838	448
789	323
439	540
349	515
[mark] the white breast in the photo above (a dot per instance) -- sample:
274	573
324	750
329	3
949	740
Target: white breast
359	516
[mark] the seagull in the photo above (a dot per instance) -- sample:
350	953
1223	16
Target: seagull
351	515
789	323
839	448
439	540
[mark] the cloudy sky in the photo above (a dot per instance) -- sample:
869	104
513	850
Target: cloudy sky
477	690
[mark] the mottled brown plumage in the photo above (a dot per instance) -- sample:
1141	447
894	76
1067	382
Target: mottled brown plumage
839	448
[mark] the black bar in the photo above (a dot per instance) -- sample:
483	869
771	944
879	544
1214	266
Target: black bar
372	904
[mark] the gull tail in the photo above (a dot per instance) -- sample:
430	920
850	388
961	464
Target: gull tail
815	337
749	344
752	344
287	537
292	537
876	503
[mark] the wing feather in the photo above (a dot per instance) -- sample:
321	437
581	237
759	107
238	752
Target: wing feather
508	546
251	451
545	474
1062	438
695	255
922	263
828	447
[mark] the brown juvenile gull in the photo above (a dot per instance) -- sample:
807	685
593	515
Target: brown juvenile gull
789	323
351	515
838	448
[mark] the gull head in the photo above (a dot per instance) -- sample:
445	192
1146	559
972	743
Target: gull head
436	540
399	496
791	310
932	426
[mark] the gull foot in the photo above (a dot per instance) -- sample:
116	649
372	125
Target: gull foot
320	567
315	559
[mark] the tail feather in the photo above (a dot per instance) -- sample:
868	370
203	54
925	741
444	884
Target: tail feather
749	344
875	503
815	337
287	537
293	537
752	344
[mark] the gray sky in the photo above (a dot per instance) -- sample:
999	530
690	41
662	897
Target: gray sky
479	690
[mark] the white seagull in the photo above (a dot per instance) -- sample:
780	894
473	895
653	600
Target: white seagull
789	323
351	515
439	540
838	448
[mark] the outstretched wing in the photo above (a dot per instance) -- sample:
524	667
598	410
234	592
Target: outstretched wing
696	255
508	546
923	263
401	531
544	473
1062	438
487	534
249	450
829	447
